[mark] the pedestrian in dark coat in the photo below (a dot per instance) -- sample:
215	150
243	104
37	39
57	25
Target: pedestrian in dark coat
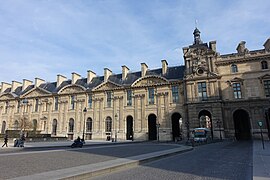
5	141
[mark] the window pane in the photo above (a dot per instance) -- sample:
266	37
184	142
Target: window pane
129	98
267	88
202	93
175	94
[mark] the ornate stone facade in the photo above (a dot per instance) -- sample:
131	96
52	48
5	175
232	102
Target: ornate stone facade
228	94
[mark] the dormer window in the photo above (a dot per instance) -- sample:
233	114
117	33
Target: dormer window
234	68
264	65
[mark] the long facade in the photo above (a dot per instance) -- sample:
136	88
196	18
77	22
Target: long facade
229	94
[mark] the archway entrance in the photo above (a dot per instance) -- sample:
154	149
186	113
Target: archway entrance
3	129
176	125
205	119
152	129
129	128
54	127
241	125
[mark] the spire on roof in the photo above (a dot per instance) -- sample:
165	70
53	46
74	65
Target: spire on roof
196	33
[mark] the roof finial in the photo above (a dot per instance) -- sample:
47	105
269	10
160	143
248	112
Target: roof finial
196	33
196	23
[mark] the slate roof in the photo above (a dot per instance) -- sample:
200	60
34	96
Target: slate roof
173	73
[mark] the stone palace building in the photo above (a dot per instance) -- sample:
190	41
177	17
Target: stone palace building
229	94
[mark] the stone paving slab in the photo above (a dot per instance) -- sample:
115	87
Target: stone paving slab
91	170
261	160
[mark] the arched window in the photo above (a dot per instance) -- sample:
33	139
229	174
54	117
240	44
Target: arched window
34	125
71	125
54	127
89	126
108	124
264	65
234	68
16	125
3	127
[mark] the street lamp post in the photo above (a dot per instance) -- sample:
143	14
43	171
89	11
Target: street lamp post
25	102
115	129
187	126
158	125
84	112
219	127
180	124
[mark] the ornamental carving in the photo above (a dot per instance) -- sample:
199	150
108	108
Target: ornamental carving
36	93
106	86
71	90
150	82
6	97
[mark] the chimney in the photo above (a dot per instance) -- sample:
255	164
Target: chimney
267	45
164	66
144	68
15	85
125	70
38	82
241	47
26	83
107	73
75	77
5	86
90	76
60	79
213	45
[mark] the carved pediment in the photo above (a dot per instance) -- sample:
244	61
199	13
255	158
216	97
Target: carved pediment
6	97
149	81
71	90
36	93
106	86
235	80
264	77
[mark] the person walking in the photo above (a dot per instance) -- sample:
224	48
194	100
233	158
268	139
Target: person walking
5	141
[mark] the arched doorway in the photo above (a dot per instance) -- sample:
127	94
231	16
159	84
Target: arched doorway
70	129
152	129
176	125
241	125
16	125
34	125
205	119
89	128
54	127
3	130
129	128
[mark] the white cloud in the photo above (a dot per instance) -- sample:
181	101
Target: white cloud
46	38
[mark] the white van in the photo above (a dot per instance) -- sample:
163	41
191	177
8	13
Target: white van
201	135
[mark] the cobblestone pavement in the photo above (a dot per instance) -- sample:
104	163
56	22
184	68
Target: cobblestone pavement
27	162
226	160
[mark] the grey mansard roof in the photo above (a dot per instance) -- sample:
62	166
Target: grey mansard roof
173	73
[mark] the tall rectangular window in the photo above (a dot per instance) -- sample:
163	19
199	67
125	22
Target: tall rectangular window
90	101
237	90
56	103
202	93
129	97
267	88
151	95
36	105
175	94
18	106
47	106
6	108
109	99
72	102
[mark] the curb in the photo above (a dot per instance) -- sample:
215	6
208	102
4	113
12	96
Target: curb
142	159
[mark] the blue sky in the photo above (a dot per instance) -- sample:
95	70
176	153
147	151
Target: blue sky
48	37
